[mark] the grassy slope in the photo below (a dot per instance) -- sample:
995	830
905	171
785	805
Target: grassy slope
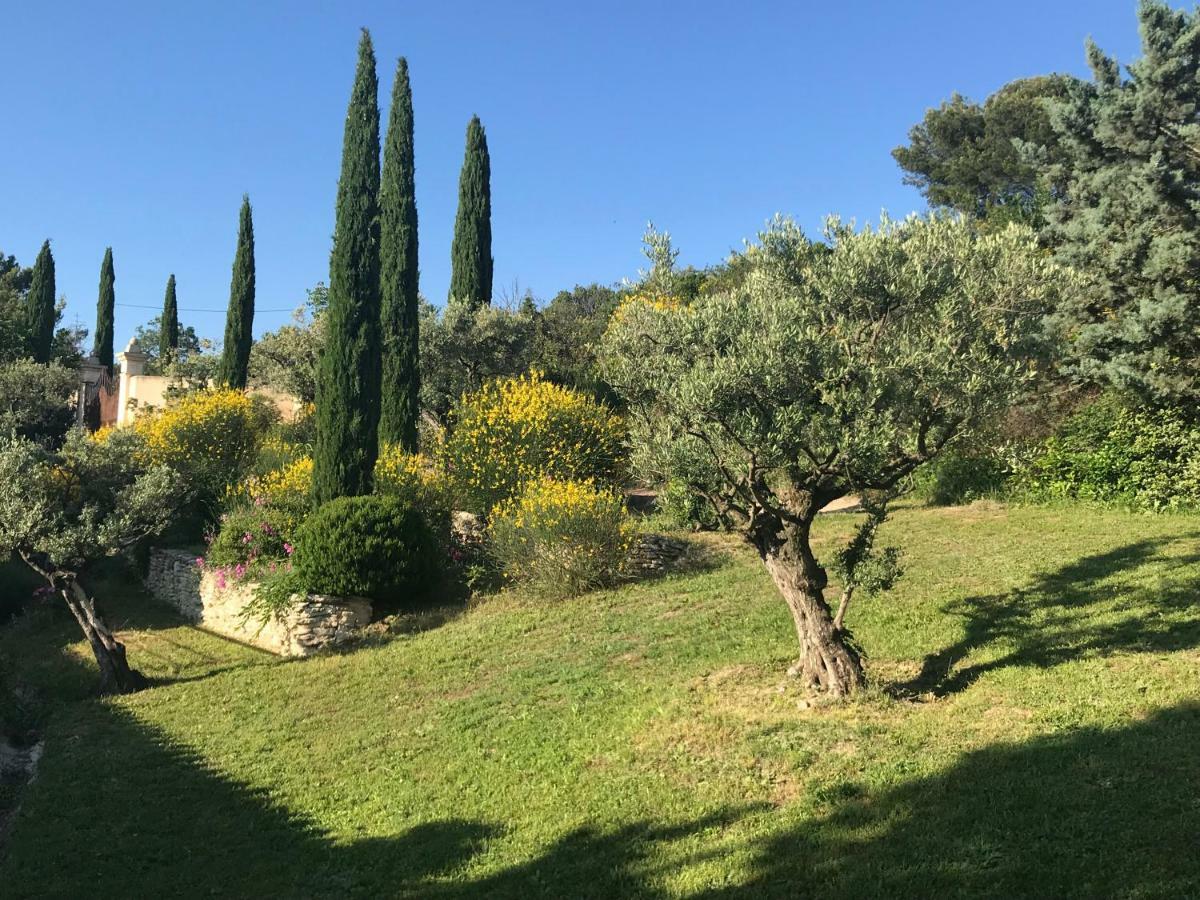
644	741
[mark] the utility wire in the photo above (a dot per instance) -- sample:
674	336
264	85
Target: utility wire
198	309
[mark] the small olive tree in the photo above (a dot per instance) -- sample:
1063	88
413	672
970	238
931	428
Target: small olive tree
836	369
62	511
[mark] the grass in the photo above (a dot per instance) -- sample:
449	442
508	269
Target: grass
1033	732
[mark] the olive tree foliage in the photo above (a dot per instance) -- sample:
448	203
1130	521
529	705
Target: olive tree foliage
836	369
37	400
286	359
62	511
464	345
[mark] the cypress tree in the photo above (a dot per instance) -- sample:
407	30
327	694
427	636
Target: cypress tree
400	394
471	253
239	321
348	374
168	333
39	309
103	348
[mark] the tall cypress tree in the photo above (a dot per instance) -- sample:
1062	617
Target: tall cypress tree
400	395
239	321
104	313
471	253
168	332
39	306
348	375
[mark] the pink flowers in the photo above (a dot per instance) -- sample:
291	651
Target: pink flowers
288	548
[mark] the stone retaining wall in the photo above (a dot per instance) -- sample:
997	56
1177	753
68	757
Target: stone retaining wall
316	622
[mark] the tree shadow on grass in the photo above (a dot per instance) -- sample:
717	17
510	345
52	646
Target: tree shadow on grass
1090	813
119	809
1097	605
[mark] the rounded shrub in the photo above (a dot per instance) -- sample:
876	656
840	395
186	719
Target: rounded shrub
378	547
561	538
517	430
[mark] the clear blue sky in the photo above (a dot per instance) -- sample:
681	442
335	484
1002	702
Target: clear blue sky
140	125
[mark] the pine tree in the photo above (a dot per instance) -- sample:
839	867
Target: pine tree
1130	218
168	331
104	313
471	253
348	376
39	309
239	321
400	394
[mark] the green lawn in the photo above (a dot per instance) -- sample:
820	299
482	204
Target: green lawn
1034	731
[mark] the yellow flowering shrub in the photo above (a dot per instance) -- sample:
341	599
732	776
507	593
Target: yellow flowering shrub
561	538
412	477
212	437
517	430
288	486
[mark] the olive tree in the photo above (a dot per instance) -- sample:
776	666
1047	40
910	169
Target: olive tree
836	369
62	511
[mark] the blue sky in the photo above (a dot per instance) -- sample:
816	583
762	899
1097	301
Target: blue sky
140	125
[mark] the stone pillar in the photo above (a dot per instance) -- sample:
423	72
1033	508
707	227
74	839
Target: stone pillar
89	377
133	363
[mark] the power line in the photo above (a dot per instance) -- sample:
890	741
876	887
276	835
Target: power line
198	309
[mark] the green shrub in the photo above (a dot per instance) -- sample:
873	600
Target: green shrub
376	547
561	538
36	401
517	430
1109	452
960	476
684	508
252	541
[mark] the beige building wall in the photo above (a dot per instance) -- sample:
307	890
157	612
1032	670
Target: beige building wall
138	391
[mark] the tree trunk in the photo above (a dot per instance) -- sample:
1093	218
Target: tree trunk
826	660
116	677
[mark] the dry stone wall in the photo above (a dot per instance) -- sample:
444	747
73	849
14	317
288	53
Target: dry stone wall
312	624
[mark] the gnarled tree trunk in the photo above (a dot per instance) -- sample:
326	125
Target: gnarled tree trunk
826	660
116	677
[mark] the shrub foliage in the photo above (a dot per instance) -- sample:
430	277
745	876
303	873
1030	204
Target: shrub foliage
212	437
370	546
517	430
561	538
1109	452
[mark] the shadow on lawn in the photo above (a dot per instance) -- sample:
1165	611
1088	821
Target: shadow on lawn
1082	609
119	810
1092	813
